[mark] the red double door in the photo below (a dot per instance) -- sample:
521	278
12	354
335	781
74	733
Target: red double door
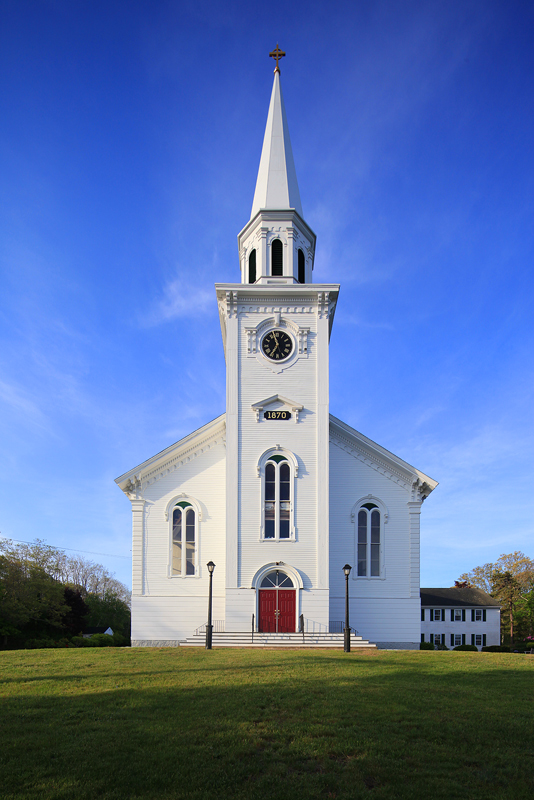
277	611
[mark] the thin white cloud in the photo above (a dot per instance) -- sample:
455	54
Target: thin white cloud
179	298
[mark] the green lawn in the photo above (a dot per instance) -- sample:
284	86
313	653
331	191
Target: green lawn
181	723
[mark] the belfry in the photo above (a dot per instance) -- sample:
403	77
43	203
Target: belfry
276	491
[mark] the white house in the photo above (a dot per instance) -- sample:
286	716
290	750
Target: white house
460	615
276	491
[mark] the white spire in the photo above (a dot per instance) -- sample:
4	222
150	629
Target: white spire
276	186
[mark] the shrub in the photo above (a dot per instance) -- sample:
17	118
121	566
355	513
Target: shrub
119	640
102	640
471	647
496	648
426	646
441	646
79	641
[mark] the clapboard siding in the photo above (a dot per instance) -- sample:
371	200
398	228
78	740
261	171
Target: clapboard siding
298	383
350	480
202	479
381	619
159	617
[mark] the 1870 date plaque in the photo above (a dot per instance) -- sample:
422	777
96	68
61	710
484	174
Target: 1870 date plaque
277	415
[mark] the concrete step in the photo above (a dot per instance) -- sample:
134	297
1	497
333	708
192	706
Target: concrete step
280	640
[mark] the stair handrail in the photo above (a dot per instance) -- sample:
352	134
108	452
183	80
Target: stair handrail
252	629
301	626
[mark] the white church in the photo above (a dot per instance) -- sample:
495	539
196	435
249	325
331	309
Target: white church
277	492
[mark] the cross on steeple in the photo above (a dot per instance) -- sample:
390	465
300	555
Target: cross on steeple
277	53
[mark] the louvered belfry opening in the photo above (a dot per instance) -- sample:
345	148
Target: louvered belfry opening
301	267
277	257
252	267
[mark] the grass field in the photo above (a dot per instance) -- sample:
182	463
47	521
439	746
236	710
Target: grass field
181	723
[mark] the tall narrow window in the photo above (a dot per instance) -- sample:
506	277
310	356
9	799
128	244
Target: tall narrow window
301	267
183	539
277	499
277	257
368	541
252	267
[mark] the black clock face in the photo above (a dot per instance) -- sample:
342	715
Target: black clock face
277	345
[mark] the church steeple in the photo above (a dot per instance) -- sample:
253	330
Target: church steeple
276	246
276	186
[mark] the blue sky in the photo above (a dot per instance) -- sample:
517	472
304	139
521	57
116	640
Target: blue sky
130	137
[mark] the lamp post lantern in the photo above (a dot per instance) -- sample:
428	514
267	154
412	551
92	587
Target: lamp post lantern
209	627
346	569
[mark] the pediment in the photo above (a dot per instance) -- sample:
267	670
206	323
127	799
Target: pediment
137	479
277	402
378	458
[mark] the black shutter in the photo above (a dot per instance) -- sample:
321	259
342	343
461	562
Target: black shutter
463	614
484	615
483	640
472	638
422	637
463	638
452	639
432	638
472	615
452	614
432	616
422	615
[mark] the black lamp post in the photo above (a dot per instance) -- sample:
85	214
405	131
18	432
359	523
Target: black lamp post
209	626
346	569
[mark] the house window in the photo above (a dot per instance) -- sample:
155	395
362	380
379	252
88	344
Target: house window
368	541
478	639
457	615
438	638
478	615
438	617
456	639
277	498
301	267
184	538
252	267
277	257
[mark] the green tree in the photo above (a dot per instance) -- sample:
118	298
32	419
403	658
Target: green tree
517	563
510	580
31	602
507	589
109	610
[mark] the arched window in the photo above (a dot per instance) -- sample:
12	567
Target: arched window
368	541
252	267
277	498
276	580
184	538
277	257
301	267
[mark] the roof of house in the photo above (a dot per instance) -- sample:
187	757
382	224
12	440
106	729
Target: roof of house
457	597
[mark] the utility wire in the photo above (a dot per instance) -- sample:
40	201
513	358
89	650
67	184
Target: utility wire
71	549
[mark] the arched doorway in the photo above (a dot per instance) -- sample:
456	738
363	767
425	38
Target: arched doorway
277	603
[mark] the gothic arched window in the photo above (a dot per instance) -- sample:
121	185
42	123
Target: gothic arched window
277	257
368	542
301	267
184	539
277	498
252	267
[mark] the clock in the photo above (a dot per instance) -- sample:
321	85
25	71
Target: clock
277	345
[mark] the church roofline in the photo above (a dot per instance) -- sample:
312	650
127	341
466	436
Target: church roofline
397	463
182	444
